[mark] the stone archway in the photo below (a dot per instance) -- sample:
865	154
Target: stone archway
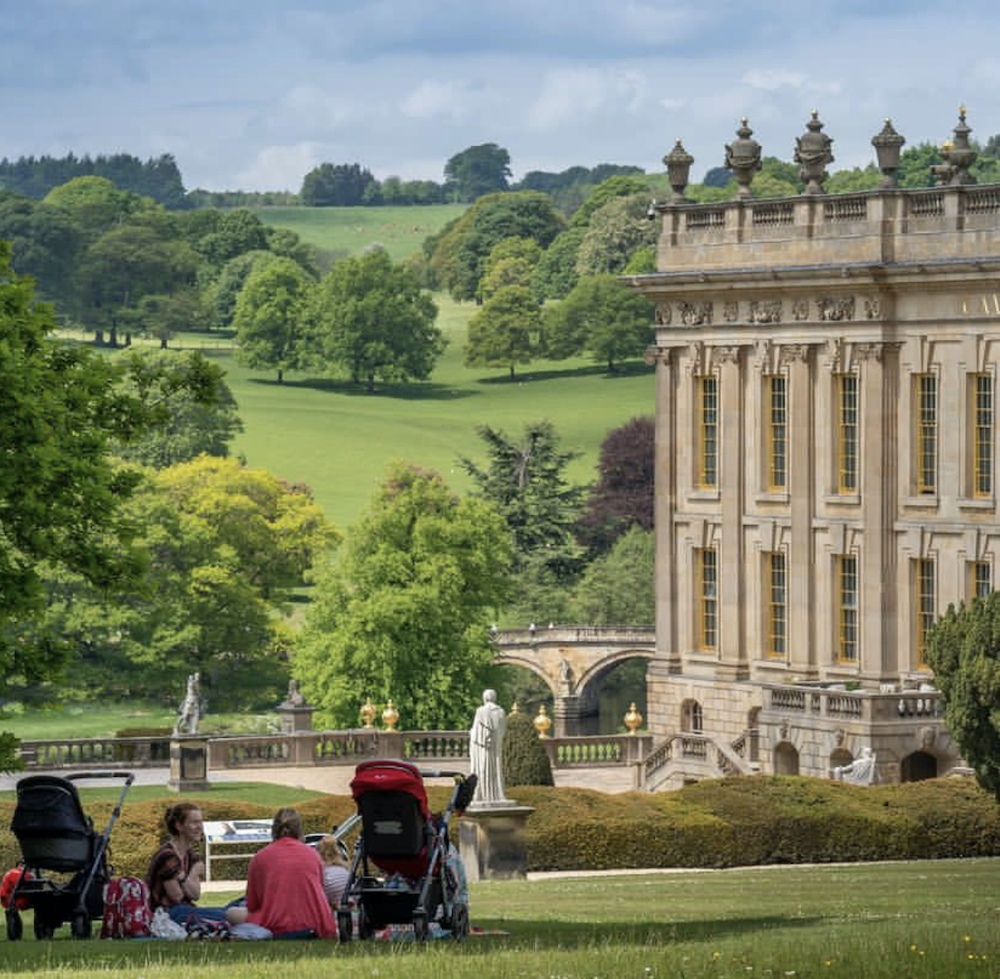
786	759
918	766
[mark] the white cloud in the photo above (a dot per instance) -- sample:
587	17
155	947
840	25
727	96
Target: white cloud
433	99
279	167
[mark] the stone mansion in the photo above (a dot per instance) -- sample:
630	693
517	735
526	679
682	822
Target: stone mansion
826	456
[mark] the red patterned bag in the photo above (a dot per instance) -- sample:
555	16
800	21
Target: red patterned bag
127	912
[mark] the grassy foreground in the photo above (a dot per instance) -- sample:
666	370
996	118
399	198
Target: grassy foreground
923	920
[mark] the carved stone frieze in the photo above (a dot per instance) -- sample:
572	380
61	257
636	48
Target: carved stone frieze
835	309
731	311
662	315
800	309
873	308
765	311
695	314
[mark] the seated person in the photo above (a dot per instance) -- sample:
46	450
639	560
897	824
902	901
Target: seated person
285	894
175	870
335	870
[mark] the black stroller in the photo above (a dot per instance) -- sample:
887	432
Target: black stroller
55	835
400	872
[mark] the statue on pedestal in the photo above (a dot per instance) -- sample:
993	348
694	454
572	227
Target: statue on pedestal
189	712
486	750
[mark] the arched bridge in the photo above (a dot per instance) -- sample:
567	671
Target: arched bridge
571	660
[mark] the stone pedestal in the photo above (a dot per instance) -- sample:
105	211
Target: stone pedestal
493	841
295	718
188	764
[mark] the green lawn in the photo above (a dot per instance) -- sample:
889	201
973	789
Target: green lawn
340	440
399	230
934	920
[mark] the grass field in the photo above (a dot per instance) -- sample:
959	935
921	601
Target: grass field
340	440
934	920
339	230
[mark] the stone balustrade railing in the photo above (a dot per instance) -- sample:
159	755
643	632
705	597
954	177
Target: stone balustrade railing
846	705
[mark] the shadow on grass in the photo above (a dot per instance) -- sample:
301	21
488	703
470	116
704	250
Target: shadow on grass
621	371
418	391
66	952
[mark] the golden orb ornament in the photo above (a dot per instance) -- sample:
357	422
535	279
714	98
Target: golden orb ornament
633	719
390	716
368	714
542	722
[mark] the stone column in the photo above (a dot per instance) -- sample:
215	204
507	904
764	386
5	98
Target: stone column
801	484
733	662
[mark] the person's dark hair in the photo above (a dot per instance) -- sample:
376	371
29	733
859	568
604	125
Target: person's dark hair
177	814
287	822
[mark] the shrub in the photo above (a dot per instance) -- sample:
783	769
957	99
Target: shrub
525	760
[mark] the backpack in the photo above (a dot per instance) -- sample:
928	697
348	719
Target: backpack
127	912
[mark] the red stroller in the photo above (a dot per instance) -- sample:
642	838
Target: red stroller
400	872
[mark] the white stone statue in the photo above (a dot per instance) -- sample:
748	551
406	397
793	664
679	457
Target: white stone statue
189	712
861	771
486	751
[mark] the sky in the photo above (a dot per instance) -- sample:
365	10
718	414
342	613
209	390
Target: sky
252	95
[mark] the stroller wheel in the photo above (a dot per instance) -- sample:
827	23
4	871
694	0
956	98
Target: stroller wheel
459	921
420	925
81	925
15	927
345	926
43	930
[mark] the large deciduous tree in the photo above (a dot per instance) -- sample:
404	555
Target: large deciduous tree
618	588
224	546
270	316
405	611
458	256
601	317
615	232
193	426
504	332
478	170
963	650
60	492
371	320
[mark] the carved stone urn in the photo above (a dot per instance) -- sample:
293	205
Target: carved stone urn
812	151
960	155
888	144
678	162
743	158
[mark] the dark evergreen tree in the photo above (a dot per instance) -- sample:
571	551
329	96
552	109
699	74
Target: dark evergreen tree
525	760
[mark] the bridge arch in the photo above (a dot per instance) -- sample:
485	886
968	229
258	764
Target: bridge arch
571	661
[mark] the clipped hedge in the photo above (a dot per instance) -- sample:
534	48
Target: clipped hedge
713	823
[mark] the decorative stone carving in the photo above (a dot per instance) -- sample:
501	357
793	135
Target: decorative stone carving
869	351
696	357
873	309
836	309
765	311
812	150
725	355
743	158
730	311
794	353
695	314
800	309
764	356
834	355
662	315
